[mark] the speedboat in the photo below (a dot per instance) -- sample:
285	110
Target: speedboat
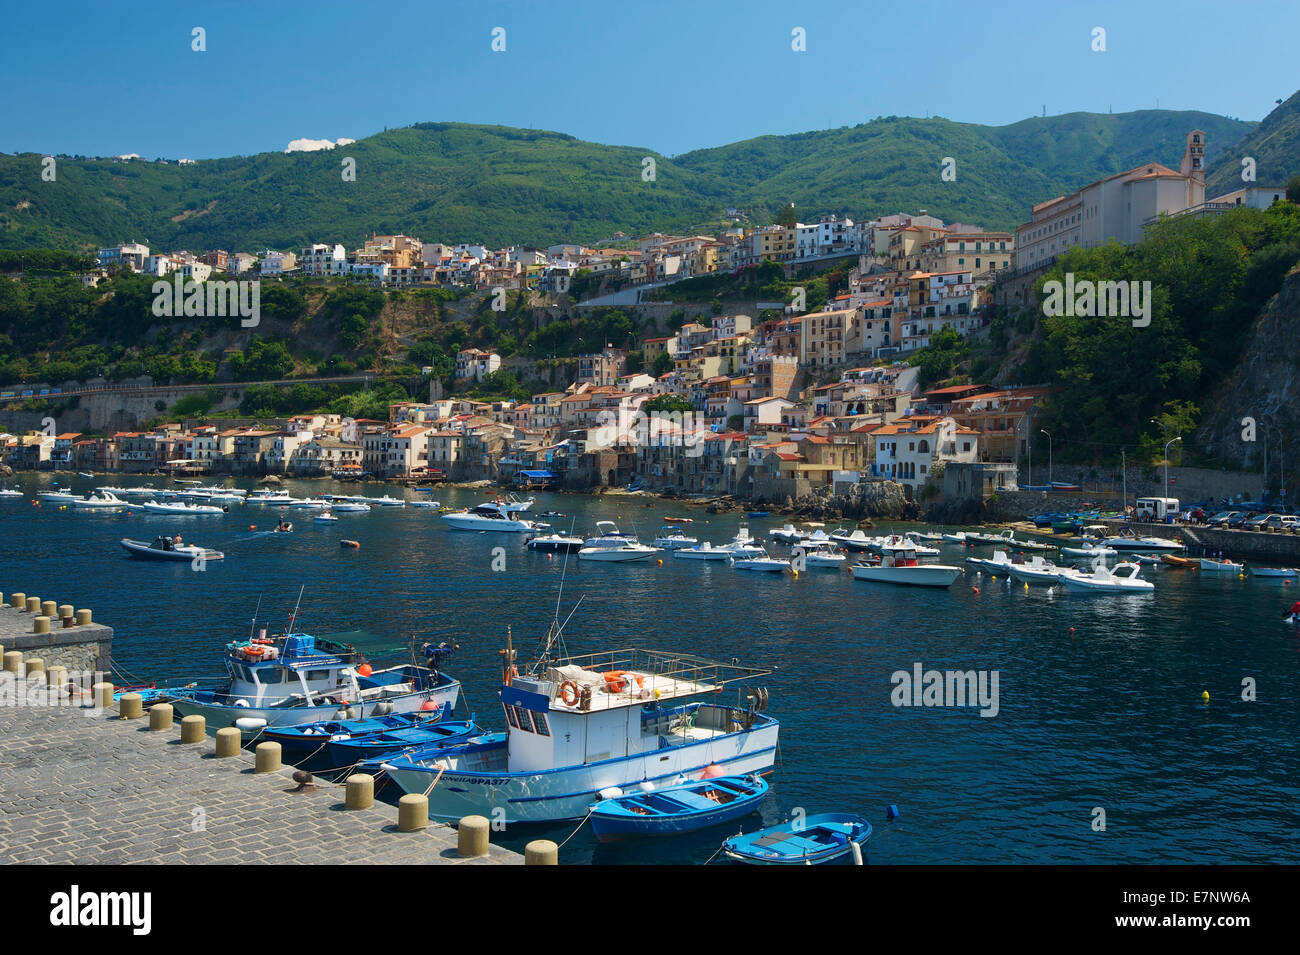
165	548
269	499
555	542
582	726
349	507
887	545
488	517
672	537
956	537
673	810
181	509
998	563
703	551
6	492
743	546
1131	541
764	564
789	534
810	840
1089	551
926	536
297	678
1275	573
1122	578
386	501
325	517
1036	570
617	550
1224	566
817	555
58	497
902	567
100	501
310	503
855	541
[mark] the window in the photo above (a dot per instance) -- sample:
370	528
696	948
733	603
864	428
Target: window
510	715
540	724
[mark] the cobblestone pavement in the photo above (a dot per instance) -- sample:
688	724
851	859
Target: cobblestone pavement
97	790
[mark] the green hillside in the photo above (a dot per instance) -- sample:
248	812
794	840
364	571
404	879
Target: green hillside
456	182
1274	144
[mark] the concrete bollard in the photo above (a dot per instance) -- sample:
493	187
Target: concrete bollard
49	609
160	716
65	611
266	758
56	676
193	729
83	618
229	742
18	601
413	812
359	791
472	837
541	852
33	604
13	661
103	693
40	625
130	706
34	665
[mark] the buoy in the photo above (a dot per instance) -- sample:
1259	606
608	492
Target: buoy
661	561
891	811
975	589
428	706
353	544
252	527
550	556
1072	630
1205	696
711	771
364	670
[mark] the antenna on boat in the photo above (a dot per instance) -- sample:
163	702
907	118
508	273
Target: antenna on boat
252	626
293	617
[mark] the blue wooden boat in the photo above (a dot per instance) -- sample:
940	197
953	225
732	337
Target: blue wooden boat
758	514
812	840
673	810
311	737
486	742
345	752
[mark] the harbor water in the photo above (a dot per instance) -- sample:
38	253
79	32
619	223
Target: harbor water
1102	749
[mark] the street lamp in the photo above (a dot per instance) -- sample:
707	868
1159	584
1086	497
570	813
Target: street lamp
1049	455
1167	443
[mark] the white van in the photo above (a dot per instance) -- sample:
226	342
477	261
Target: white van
1156	509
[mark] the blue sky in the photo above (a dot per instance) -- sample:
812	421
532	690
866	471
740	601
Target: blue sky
99	79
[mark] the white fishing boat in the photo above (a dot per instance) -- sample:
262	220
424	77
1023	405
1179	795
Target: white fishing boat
1225	566
904	568
672	537
703	551
1122	578
488	517
582	727
1036	570
824	554
1130	541
180	508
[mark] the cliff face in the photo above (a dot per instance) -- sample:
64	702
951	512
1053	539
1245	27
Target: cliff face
1265	387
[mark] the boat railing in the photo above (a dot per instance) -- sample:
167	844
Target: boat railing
683	667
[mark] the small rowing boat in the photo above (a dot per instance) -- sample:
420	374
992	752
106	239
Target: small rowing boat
811	840
673	810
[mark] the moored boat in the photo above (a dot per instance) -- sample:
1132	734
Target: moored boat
1225	566
673	810
810	840
167	548
1122	578
903	568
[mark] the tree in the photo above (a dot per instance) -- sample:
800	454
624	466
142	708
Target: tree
1293	189
787	216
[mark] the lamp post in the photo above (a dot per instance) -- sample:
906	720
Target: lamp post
1167	443
1049	455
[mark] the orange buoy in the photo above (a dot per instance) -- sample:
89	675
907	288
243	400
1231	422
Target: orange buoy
712	771
428	705
975	589
252	527
353	544
364	670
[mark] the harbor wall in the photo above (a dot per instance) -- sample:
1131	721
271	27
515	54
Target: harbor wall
1261	546
79	648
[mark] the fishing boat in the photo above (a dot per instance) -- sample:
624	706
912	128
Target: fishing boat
902	567
423	737
299	742
1036	570
1225	566
823	554
1130	541
673	810
167	548
488	517
810	840
296	678
1122	578
703	551
555	542
583	726
181	509
672	537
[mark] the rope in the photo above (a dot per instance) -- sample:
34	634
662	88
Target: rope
579	829
715	854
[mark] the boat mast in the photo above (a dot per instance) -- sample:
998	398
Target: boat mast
293	617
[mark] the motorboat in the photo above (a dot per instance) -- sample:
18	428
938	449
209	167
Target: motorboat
894	542
928	537
998	563
789	534
349	507
100	501
1130	541
181	509
957	537
423	736
1089	551
488	517
556	542
325	517
597	724
58	497
902	567
855	541
703	551
269	499
1225	566
1182	563
296	678
309	503
167	548
764	564
743	546
823	554
433	505
6	492
615	548
672	537
513	505
1276	573
1122	578
1036	570
673	810
386	501
816	839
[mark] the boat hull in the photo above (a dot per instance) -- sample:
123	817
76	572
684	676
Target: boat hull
567	792
921	575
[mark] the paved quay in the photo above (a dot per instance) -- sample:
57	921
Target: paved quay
85	787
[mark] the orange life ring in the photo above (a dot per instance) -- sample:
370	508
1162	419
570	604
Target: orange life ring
565	698
254	651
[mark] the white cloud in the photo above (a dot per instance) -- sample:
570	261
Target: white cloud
312	145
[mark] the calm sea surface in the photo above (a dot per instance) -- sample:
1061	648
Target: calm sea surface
1100	697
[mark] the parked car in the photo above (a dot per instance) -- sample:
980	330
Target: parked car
1222	518
1255	523
1281	522
1240	518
